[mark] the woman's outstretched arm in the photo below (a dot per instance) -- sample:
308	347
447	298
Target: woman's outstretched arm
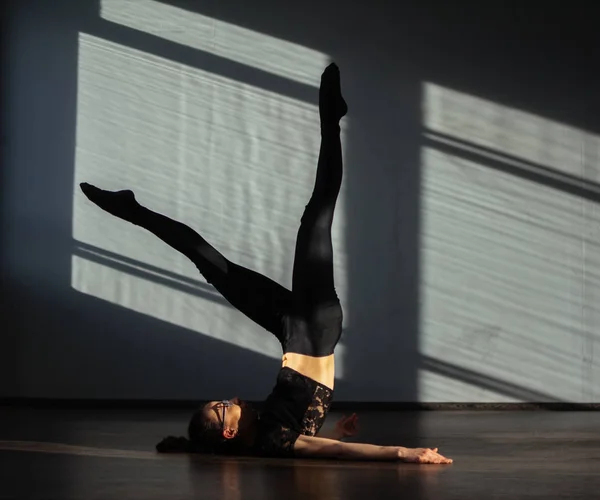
318	447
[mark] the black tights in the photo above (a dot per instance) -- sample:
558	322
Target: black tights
263	300
306	319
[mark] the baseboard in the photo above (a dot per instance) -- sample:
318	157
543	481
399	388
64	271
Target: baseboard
124	404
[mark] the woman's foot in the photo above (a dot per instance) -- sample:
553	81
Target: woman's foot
121	204
332	106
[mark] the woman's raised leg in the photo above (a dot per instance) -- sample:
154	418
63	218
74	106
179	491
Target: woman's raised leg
258	297
313	282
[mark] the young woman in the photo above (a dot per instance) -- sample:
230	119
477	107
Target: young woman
306	320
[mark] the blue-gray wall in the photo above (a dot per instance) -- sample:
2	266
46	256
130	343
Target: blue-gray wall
467	234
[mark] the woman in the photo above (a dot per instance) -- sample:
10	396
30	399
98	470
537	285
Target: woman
306	320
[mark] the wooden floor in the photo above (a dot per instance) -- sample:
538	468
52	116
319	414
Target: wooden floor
88	454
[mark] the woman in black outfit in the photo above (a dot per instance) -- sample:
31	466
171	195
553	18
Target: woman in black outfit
307	321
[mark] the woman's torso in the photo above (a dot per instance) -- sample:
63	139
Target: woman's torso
301	398
298	405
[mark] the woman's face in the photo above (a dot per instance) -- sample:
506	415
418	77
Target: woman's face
230	415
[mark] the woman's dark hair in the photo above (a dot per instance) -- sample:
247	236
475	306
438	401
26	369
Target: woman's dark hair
204	436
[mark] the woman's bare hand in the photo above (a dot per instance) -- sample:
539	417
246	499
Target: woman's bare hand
422	456
347	426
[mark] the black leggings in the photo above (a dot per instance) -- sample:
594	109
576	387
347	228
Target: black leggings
306	320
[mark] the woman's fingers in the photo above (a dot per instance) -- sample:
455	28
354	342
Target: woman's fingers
431	456
352	418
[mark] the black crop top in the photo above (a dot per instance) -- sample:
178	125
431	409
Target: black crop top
297	405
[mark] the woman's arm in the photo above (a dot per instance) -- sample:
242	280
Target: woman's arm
318	447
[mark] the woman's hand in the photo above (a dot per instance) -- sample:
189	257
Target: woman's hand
422	456
347	426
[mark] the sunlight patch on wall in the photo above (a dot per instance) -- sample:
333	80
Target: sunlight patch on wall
167	304
439	388
510	268
235	162
220	38
511	131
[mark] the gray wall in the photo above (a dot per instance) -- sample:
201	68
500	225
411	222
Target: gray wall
466	237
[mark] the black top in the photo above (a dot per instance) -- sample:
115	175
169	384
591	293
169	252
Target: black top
297	405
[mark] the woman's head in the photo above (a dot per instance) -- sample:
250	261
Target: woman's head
225	426
224	420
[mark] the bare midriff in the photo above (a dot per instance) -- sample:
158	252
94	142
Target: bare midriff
321	369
